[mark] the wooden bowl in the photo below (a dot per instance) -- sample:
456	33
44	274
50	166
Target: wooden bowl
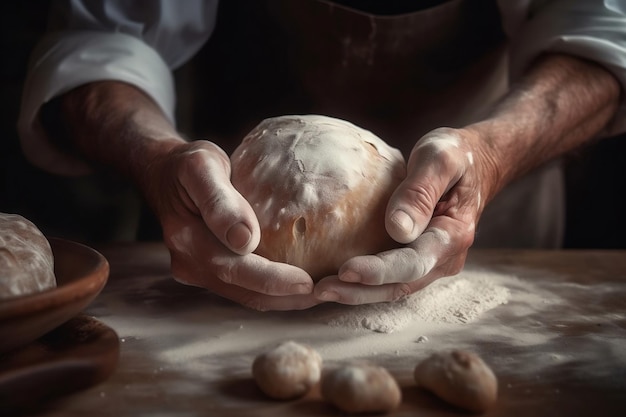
81	273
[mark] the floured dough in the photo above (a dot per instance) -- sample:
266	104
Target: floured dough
26	260
287	371
319	187
361	388
459	377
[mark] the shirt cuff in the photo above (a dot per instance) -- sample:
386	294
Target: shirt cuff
583	30
63	61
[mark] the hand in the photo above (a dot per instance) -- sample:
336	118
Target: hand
208	227
434	212
560	103
211	230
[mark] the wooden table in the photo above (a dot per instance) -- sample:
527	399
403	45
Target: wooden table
558	346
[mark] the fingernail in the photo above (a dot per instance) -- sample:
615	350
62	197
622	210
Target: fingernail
329	296
350	276
238	236
403	220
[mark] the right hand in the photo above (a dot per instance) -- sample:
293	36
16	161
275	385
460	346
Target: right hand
208	227
211	231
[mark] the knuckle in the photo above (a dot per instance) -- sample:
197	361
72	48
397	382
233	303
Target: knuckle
439	140
193	158
421	196
203	157
441	149
212	200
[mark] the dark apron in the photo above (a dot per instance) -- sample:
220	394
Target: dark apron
395	74
398	75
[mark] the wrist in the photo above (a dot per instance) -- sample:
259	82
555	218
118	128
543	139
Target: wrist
561	103
115	127
491	161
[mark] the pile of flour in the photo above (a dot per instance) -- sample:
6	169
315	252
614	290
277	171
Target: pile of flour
458	299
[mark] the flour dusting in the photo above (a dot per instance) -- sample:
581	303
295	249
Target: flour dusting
458	299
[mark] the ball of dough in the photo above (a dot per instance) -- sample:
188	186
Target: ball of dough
361	388
459	377
287	371
26	261
319	187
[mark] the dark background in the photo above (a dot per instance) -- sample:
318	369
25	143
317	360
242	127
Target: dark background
95	209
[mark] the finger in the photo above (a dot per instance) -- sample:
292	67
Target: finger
199	258
429	177
250	298
227	214
335	290
405	264
260	275
249	280
264	302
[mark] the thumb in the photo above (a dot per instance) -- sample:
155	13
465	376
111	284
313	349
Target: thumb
413	203
409	210
224	210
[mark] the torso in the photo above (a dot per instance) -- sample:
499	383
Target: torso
399	72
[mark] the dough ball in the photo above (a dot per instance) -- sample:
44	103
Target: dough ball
26	261
361	388
319	187
287	371
459	377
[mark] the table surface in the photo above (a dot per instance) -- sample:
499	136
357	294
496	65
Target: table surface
557	346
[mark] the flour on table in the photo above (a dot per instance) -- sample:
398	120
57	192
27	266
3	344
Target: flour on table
458	299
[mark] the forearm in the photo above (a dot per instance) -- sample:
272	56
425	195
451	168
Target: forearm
114	126
560	104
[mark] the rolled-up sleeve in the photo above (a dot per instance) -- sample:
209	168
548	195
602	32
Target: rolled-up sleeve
109	40
589	29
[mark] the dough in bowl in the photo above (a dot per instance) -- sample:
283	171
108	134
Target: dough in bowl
26	260
319	187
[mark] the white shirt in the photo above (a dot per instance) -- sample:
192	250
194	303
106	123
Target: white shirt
130	42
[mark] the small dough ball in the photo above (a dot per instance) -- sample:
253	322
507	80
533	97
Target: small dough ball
319	187
361	388
459	377
26	260
287	371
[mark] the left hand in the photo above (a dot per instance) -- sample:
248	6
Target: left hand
434	212
560	103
